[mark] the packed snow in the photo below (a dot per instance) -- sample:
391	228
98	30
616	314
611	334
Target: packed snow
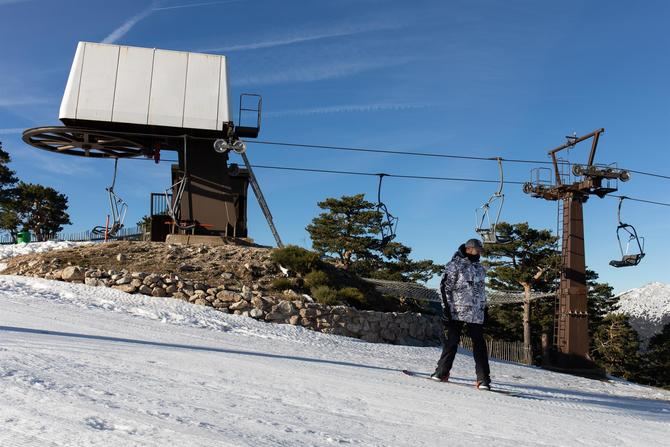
647	308
82	366
11	250
95	366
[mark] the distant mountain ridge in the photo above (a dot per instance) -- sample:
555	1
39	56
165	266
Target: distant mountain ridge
648	309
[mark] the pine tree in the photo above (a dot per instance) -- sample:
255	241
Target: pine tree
9	221
656	360
600	303
346	230
528	261
26	206
350	230
7	178
39	209
616	346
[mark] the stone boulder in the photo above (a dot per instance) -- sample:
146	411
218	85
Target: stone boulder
72	273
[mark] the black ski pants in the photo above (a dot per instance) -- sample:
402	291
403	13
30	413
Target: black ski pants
450	346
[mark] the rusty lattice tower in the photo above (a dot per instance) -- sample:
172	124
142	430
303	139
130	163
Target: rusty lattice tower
571	335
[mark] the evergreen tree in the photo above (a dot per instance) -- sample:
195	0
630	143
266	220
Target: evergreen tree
601	301
529	261
346	230
350	231
656	360
616	346
7	178
144	223
515	266
8	219
39	209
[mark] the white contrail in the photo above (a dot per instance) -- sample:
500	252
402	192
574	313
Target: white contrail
164	8
375	107
122	30
24	101
128	25
288	40
12	130
7	2
319	72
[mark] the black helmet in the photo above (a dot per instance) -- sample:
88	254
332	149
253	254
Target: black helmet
474	243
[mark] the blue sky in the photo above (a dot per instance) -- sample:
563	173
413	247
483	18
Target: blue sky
485	78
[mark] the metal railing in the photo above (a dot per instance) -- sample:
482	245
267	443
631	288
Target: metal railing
159	203
130	233
511	351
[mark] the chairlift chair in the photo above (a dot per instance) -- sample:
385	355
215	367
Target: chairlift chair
118	208
175	193
388	223
484	226
173	201
634	251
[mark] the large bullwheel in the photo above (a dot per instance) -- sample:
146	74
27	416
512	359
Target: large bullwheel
83	142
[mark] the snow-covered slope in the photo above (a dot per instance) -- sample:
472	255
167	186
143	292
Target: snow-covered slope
95	366
648	308
11	250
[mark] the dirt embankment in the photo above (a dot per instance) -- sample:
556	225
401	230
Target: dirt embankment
214	266
230	278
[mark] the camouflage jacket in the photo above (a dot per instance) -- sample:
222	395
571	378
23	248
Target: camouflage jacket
463	289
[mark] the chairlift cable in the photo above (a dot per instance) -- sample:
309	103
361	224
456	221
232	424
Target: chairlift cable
428	154
416	177
649	174
394	152
639	200
359	149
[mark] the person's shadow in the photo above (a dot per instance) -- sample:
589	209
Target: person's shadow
190	347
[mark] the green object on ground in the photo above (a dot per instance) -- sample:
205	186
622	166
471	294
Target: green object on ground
23	237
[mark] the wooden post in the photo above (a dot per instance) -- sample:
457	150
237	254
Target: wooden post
526	321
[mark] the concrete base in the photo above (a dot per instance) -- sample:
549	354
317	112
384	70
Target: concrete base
572	364
191	239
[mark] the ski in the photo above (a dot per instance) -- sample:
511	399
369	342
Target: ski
492	390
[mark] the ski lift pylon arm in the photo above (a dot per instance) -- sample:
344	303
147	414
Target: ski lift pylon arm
261	200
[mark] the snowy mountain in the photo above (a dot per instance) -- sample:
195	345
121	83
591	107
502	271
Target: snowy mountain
648	309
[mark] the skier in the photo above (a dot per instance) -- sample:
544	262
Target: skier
463	303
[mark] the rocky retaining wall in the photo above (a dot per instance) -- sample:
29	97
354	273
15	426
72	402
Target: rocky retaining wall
253	301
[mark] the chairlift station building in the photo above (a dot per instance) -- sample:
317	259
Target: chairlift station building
159	89
123	101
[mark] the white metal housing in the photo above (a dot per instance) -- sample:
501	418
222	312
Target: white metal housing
146	86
